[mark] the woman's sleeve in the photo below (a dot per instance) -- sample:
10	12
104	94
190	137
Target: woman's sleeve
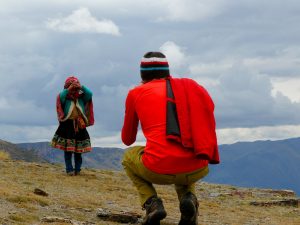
131	121
63	95
87	93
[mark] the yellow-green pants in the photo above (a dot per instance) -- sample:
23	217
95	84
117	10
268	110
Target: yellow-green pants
143	178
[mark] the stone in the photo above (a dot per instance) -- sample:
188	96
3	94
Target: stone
38	191
285	202
284	193
214	195
53	219
120	217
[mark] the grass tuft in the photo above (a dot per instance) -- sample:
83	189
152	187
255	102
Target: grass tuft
4	155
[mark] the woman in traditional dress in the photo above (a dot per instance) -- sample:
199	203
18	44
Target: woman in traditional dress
75	112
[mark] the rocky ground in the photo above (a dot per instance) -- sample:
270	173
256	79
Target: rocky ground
32	193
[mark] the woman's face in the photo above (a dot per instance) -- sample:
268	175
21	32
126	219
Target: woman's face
74	90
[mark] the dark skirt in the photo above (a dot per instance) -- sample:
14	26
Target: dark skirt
66	139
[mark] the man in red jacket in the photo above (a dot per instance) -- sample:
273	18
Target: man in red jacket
171	155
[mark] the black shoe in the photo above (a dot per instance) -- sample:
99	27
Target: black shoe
155	211
189	209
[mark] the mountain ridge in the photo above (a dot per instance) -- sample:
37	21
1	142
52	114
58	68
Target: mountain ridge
18	153
99	157
264	164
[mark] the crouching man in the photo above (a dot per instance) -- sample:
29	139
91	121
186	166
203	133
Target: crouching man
177	120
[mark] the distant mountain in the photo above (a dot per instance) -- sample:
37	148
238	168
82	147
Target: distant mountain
263	164
16	153
100	158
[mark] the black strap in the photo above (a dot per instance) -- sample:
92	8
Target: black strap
172	119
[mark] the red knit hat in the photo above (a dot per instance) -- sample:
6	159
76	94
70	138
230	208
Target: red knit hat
154	65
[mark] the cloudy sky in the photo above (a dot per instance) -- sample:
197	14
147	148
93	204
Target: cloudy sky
245	53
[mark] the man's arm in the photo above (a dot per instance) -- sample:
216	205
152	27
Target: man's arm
131	121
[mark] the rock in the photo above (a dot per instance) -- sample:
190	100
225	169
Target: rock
52	219
121	217
269	193
38	191
285	202
284	193
37	165
82	209
214	195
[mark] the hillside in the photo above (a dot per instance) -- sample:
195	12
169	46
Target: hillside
100	158
75	200
264	164
17	153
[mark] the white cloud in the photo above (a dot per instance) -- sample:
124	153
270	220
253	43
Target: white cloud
210	69
174	53
282	70
118	91
19	134
21	111
282	63
164	10
114	140
190	10
244	99
81	21
288	87
232	135
16	70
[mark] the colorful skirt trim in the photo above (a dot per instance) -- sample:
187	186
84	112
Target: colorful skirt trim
67	139
71	145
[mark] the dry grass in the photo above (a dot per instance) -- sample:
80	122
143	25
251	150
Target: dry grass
4	155
23	218
79	197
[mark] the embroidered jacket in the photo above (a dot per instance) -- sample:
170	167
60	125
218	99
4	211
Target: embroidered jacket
84	104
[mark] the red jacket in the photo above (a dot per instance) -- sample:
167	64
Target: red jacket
147	103
195	111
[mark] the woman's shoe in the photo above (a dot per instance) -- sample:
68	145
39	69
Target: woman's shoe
71	173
